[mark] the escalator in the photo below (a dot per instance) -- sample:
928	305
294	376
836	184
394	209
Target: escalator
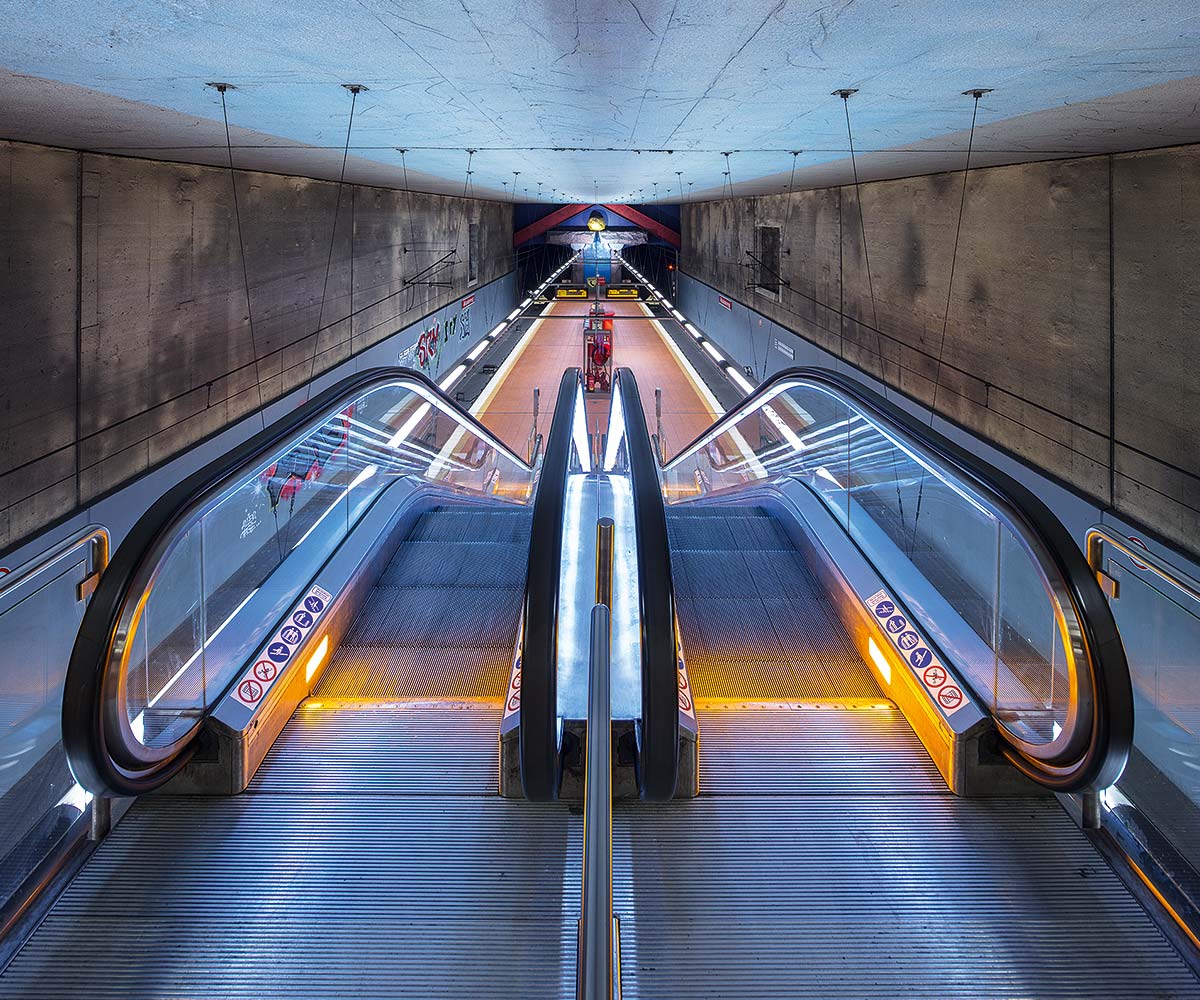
368	853
828	854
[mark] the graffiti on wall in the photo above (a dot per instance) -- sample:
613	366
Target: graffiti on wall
431	344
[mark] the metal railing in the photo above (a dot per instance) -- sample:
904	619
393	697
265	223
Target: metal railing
659	738
1098	536
598	967
846	443
93	535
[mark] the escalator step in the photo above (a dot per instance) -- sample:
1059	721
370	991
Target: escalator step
465	565
437	616
447	749
408	673
470	524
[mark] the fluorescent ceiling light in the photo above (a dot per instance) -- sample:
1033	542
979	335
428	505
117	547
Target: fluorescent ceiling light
450	379
739	379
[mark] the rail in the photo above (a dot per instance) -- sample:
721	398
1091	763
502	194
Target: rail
93	535
598	957
162	639
1099	535
659	757
876	467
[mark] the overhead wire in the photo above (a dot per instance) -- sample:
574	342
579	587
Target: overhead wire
977	93
354	89
237	216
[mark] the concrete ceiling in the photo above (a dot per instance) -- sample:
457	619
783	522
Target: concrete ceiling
586	97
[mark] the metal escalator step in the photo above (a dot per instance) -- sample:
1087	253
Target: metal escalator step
736	628
408	673
466	565
770	650
758	531
814	639
413	749
921	896
698	531
473	524
783	573
749	679
438	616
803	750
706	573
256	897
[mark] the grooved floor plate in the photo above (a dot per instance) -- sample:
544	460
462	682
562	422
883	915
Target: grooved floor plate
812	750
901	896
403	749
265	896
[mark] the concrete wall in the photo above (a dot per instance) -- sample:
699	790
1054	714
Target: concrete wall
125	331
1073	321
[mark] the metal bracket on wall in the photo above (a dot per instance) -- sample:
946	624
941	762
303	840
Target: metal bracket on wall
427	274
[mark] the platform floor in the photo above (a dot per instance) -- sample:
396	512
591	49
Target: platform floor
555	343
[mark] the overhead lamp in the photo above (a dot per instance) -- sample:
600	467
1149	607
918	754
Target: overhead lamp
596	221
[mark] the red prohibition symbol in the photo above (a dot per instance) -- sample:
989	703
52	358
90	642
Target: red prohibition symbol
935	676
265	671
514	701
950	696
250	690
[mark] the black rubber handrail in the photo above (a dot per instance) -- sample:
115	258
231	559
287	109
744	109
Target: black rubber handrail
1110	721
100	754
659	751
539	745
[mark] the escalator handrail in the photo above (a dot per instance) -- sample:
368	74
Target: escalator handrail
1061	560
659	752
89	742
539	742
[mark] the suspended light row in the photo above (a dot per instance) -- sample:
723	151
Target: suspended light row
728	367
483	345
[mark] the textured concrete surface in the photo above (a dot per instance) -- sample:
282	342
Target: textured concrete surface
1031	358
124	309
1156	299
598	100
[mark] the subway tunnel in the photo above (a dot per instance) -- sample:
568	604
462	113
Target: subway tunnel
614	500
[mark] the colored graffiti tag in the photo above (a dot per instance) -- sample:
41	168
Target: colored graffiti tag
433	339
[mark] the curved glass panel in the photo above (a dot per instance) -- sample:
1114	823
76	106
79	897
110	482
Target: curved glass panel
945	543
278	519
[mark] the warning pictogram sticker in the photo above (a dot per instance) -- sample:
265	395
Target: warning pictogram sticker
934	676
249	692
910	644
275	658
265	671
512	700
950	697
